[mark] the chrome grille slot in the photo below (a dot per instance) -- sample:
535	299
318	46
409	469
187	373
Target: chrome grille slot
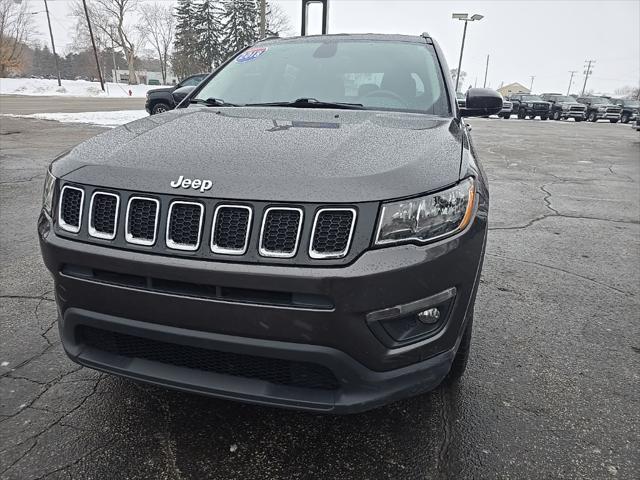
142	220
184	225
70	212
332	232
230	230
280	232
103	215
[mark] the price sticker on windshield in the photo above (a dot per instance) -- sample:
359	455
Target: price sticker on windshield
251	54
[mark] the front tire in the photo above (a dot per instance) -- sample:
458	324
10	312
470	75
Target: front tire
522	114
556	115
593	117
159	107
506	116
624	118
461	359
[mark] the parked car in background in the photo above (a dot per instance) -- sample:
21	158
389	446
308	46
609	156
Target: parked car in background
563	107
637	125
507	107
527	105
164	99
153	81
629	109
461	99
601	108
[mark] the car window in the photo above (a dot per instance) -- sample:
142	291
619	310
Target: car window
380	75
193	81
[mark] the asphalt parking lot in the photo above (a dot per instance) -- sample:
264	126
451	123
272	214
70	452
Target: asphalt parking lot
550	392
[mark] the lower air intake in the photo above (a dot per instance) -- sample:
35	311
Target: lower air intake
273	370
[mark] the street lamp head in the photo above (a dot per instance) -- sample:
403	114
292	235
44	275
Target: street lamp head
460	16
476	16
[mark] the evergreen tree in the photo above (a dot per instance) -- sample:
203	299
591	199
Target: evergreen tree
208	30
241	24
186	45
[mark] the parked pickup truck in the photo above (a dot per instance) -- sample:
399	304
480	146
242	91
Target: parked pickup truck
563	107
629	109
601	108
161	100
507	107
527	105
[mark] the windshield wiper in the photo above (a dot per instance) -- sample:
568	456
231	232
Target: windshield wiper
212	102
310	103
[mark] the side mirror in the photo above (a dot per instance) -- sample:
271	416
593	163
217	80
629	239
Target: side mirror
481	102
180	93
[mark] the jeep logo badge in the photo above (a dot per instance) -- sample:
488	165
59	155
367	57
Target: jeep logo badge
196	184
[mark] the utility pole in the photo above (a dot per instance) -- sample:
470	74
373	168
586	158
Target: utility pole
53	45
263	18
93	42
588	71
572	72
486	70
531	85
114	77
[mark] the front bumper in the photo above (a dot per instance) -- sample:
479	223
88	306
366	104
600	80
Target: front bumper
607	116
574	114
368	371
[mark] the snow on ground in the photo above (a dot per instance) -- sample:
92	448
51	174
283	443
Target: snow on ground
74	88
105	119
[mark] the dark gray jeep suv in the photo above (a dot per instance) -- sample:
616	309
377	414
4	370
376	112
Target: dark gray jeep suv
306	232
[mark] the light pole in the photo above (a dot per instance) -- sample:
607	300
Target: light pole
588	70
466	19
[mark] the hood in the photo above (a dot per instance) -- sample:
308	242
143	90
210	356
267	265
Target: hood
273	154
161	90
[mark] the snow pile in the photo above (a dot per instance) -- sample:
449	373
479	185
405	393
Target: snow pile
105	119
75	88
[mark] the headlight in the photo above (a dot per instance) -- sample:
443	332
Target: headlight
427	218
529	104
566	106
47	192
602	109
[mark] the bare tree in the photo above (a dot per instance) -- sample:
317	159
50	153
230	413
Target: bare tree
15	29
157	25
115	21
278	21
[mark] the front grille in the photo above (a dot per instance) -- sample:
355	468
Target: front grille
213	229
142	220
183	228
280	232
231	228
103	215
332	231
272	370
540	106
577	108
614	110
70	213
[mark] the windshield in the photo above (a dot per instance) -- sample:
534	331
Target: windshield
600	101
378	75
532	98
631	103
563	98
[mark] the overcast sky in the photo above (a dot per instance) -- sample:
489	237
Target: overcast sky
543	38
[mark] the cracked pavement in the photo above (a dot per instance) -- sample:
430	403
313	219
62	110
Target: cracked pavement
551	388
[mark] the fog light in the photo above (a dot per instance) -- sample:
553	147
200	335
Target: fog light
429	316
